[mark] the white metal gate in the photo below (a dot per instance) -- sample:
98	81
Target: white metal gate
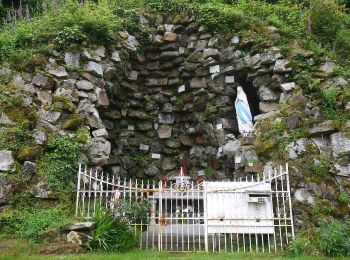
245	214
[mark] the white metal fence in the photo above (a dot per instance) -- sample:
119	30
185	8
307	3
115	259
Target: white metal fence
250	214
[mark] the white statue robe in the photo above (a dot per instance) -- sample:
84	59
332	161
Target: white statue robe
244	116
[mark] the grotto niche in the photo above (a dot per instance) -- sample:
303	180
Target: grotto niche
174	104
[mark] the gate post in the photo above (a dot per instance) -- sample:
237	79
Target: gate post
160	188
78	190
290	201
205	216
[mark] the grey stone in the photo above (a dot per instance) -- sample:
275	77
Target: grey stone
99	150
267	95
292	121
137	114
144	147
168	164
201	45
342	170
210	52
28	170
271	56
39	136
164	131
102	98
282	66
94	68
115	57
84	85
128	163
172	144
265	115
323	144
6	161
169	54
78	238
198	83
286	87
156	147
304	195
325	129
152	171
327	67
165	118
340	144
100	133
170	36
41	190
265	107
72	59
234	41
50	116
68	94
195	57
59	72
44	97
4	120
231	148
261	81
133	74
5	190
80	226
297	148
132	43
145	126
18	81
40	80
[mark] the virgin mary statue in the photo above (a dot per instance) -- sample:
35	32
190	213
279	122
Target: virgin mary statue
244	116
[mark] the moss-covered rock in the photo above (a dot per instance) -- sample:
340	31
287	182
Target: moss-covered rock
30	152
73	122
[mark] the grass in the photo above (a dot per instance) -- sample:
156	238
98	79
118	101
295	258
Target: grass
21	249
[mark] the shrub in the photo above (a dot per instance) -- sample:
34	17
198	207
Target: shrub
298	246
334	238
32	224
59	163
326	19
220	18
70	35
135	212
111	233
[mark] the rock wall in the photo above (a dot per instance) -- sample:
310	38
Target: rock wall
150	108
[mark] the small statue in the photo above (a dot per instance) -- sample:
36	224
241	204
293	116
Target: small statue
244	116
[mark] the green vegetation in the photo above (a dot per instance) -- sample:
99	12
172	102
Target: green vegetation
334	238
31	223
136	211
111	233
59	163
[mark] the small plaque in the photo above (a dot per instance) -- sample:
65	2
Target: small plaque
155	156
219	126
200	173
229	79
250	164
155	125
214	69
220	150
144	147
182	50
181	88
131	127
238	159
191	130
